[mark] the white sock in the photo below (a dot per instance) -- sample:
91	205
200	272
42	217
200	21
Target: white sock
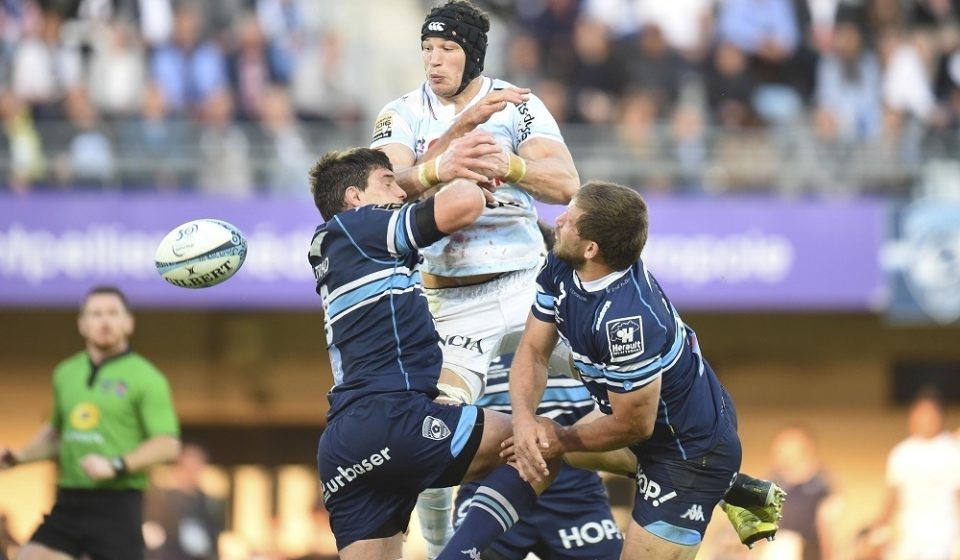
435	511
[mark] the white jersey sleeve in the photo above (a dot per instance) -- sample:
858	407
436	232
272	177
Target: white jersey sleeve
395	125
533	120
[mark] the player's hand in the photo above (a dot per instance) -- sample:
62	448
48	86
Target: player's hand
467	157
97	467
8	458
491	104
526	448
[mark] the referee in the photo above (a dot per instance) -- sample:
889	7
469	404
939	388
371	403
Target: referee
113	418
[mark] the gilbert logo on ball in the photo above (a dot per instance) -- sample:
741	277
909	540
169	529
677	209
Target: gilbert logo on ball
201	253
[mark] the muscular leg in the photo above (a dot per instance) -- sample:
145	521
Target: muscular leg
640	544
390	548
435	505
34	551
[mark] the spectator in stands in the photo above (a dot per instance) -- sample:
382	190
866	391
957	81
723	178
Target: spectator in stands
597	76
655	68
117	71
89	160
224	167
768	31
28	163
730	86
906	88
327	86
289	153
848	88
923	486
523	63
252	69
44	70
188	69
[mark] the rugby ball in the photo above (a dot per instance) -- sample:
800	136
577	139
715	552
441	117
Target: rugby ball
201	253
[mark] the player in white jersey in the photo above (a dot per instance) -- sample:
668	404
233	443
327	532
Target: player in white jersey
459	123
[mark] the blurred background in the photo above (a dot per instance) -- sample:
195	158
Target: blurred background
801	159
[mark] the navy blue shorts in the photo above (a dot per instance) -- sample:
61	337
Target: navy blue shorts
375	458
675	498
572	521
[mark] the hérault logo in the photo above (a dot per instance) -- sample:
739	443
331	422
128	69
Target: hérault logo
625	337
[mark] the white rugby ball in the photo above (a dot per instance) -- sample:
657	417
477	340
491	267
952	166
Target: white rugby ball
201	253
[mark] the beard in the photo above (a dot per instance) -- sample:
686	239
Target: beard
573	256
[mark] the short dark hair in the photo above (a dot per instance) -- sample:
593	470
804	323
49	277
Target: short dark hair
339	169
615	218
105	290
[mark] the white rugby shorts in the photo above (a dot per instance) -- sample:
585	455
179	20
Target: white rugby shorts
472	320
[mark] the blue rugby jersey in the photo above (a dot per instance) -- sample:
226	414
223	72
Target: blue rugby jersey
505	238
624	333
380	334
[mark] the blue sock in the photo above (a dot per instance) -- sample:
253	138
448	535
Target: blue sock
503	497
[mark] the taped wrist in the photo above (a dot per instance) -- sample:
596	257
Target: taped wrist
517	169
429	174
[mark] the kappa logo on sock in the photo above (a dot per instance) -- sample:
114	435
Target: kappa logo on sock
435	429
472	554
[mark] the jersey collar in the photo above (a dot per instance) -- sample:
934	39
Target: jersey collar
95	368
439	110
600	283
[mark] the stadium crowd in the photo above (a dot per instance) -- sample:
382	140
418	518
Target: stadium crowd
236	96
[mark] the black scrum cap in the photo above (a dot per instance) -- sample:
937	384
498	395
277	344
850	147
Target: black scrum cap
464	24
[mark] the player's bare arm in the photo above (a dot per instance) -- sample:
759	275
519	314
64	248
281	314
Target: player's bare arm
544	168
528	379
631	421
154	451
459	204
44	445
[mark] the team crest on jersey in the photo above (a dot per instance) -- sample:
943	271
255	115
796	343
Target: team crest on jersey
384	127
625	337
435	429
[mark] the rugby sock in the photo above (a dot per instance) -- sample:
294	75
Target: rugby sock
435	511
500	501
747	491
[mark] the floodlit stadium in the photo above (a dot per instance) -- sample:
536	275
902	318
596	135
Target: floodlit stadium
801	164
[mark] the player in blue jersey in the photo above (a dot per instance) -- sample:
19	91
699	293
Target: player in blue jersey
572	519
460	123
386	440
663	414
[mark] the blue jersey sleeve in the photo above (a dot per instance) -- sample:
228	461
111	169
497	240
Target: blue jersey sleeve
544	307
388	231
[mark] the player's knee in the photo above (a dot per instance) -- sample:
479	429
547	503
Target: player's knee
459	385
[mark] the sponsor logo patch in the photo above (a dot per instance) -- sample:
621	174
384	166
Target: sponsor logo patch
384	127
435	429
625	337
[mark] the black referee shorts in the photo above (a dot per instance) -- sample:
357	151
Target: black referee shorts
103	524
